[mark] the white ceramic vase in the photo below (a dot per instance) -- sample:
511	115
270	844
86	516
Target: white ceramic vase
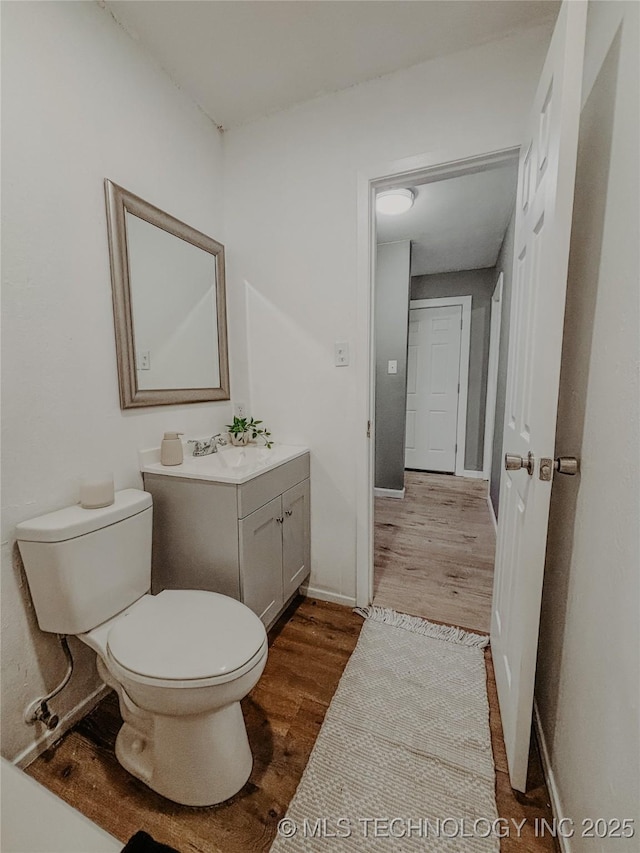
240	439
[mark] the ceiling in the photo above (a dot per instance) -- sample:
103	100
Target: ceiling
455	224
241	60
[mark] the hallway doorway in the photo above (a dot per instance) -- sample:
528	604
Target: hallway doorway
437	344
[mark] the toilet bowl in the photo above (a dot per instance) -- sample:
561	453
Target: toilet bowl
180	661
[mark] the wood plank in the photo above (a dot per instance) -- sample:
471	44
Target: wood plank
434	550
434	555
309	648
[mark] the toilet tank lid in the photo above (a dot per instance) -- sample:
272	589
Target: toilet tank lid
73	521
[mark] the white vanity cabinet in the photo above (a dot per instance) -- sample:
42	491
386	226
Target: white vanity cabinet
249	540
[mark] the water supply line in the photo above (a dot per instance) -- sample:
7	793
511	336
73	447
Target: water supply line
38	711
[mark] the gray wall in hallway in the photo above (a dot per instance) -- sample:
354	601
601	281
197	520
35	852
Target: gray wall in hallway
391	330
478	284
504	265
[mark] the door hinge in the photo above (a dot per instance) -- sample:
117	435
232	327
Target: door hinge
368	429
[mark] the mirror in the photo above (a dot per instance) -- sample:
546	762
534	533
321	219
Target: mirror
169	306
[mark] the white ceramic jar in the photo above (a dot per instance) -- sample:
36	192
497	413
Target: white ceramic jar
171	449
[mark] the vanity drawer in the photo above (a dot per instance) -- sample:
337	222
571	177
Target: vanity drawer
259	491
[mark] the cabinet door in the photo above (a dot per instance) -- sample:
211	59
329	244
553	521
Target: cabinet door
261	560
296	560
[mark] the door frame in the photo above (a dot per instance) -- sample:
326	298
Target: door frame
492	377
484	153
463	370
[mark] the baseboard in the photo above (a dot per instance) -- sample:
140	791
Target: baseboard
389	493
70	719
554	796
325	595
476	475
492	513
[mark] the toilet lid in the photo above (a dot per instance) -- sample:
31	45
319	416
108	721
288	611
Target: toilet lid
186	634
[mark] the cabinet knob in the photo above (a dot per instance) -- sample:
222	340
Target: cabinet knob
288	512
280	519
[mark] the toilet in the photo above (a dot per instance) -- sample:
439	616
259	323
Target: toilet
180	661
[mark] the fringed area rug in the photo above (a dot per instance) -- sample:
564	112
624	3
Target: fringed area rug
403	759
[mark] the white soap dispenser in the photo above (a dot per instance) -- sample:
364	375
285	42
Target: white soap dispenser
171	449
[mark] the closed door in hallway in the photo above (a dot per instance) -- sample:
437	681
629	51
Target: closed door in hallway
433	376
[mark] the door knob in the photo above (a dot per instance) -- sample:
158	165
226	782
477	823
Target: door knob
563	465
513	462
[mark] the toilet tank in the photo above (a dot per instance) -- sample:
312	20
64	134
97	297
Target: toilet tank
86	565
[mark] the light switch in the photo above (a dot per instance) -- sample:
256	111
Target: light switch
392	366
341	351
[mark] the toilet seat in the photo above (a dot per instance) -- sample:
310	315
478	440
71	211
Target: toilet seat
187	638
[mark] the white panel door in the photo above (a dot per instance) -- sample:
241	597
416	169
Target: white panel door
541	253
433	375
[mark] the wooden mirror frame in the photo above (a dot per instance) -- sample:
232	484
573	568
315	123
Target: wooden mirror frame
119	202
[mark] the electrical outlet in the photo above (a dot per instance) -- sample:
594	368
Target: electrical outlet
240	410
392	366
143	360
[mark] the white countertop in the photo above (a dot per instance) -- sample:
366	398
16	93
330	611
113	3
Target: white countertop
229	465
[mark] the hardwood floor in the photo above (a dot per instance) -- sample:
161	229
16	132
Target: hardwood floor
434	550
309	649
434	554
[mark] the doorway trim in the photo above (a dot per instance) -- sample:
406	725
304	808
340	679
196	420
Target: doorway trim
492	376
463	372
483	153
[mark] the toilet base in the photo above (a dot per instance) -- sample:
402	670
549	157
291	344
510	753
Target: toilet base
195	761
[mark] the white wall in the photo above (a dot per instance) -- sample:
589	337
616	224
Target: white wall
588	689
80	102
290	207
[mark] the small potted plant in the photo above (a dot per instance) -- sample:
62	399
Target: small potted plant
244	430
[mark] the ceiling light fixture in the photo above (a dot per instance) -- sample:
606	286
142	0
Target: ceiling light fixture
393	202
